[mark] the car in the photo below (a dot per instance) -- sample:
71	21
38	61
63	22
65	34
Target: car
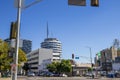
88	74
103	73
46	73
56	75
63	75
31	74
49	74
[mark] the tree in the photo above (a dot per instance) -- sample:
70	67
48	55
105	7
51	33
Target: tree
21	56
65	66
6	60
60	67
53	67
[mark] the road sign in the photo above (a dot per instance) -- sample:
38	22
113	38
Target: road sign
77	2
76	57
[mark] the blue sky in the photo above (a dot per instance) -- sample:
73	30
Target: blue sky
75	26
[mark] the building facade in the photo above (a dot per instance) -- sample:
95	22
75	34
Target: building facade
55	45
109	54
106	58
37	57
25	45
80	69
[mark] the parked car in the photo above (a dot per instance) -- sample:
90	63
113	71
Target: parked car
88	74
111	75
56	75
46	73
103	73
49	74
31	74
63	75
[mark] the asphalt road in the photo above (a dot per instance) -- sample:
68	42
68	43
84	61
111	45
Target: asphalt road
59	78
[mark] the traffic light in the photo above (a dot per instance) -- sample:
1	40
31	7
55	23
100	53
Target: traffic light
72	56
77	2
95	3
13	30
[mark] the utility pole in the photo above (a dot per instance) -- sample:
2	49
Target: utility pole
15	57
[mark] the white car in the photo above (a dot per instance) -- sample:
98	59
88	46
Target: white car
63	75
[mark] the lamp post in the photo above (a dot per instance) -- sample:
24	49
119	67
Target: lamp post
91	60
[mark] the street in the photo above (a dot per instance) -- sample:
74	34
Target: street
60	78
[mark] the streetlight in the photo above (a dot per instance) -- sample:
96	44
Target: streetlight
15	61
90	55
91	60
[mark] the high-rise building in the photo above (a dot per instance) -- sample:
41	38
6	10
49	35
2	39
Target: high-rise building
55	45
25	45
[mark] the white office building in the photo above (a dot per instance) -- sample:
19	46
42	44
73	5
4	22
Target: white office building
36	58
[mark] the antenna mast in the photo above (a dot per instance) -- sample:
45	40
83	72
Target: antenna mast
47	30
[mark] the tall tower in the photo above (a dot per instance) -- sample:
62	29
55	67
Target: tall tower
54	44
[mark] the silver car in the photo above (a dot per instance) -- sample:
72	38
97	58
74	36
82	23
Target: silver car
31	74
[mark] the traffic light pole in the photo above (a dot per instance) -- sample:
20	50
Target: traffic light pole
15	57
15	61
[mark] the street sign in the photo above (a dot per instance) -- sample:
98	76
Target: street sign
77	2
76	57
